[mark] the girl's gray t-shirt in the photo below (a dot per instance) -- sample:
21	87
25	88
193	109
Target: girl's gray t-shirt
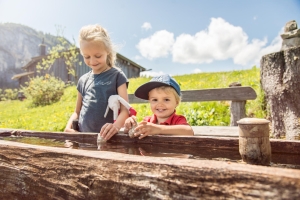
95	90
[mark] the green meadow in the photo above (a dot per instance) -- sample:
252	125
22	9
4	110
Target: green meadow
21	115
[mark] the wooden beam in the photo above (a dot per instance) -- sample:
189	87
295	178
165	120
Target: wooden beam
37	172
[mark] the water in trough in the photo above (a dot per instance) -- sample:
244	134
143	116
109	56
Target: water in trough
159	150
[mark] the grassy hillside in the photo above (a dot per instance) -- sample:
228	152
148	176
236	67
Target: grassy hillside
19	115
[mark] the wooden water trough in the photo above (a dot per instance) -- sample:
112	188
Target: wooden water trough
41	172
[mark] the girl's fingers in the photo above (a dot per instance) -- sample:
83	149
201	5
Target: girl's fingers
109	130
103	130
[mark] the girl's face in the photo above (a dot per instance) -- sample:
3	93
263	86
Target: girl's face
162	104
94	55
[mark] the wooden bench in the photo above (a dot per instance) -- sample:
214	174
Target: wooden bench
238	96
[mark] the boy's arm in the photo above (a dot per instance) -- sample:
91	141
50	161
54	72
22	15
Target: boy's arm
147	128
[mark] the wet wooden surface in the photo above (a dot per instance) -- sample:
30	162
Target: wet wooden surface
214	137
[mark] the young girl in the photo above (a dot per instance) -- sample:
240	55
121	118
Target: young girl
163	93
95	87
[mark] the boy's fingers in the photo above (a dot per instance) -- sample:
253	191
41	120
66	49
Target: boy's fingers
133	122
142	136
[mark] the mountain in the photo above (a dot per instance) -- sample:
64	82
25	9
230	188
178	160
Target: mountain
18	44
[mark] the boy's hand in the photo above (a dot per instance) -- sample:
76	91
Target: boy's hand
146	128
129	123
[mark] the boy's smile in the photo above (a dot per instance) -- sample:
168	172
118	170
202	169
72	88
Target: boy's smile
162	104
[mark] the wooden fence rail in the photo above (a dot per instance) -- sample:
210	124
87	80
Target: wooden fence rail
237	95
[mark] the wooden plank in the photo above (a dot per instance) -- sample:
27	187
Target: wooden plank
216	131
218	94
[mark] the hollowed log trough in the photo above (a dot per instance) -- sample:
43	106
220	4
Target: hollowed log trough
41	172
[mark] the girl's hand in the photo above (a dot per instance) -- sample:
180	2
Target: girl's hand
129	123
146	128
108	130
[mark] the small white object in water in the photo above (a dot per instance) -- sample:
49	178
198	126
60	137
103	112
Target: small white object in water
100	139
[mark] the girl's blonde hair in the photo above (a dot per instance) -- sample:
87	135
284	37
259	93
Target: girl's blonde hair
168	89
96	33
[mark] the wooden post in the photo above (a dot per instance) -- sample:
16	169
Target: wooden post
237	108
254	143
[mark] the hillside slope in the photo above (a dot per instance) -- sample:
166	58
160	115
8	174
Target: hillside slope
18	44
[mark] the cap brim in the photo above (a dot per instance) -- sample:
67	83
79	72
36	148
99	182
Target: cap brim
143	91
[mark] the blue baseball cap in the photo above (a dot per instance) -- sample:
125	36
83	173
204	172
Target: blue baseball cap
163	80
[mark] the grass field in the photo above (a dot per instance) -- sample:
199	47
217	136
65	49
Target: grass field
21	115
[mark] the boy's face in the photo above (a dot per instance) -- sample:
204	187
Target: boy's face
162	104
94	55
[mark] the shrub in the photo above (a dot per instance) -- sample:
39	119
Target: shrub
44	90
8	94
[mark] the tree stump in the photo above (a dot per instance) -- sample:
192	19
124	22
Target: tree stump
280	80
254	143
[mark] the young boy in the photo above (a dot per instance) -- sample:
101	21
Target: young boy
163	93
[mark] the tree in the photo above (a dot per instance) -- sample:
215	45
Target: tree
280	79
64	49
45	89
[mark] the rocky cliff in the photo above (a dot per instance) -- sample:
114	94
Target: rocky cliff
18	44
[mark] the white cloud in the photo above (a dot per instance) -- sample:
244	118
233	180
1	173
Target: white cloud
157	45
151	73
195	71
146	26
249	53
253	52
275	45
220	41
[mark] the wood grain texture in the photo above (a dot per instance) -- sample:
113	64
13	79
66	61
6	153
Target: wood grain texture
36	172
255	150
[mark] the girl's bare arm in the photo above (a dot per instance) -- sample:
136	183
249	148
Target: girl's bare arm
75	115
108	130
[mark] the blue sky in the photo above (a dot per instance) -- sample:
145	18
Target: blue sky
169	36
